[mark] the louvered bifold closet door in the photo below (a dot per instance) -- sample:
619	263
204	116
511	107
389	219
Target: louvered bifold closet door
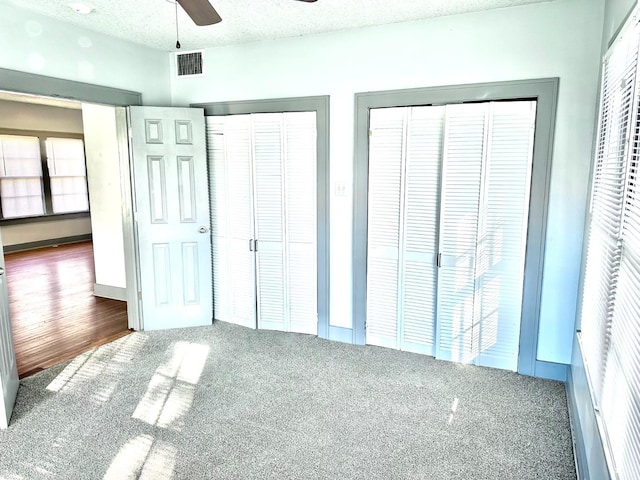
419	232
270	222
300	153
230	175
386	165
502	232
603	242
620	402
465	129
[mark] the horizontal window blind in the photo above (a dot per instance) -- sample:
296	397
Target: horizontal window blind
67	169
610	312
20	176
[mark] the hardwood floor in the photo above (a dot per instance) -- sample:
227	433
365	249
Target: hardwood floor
54	314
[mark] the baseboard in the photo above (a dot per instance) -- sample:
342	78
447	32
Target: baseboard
551	371
108	291
591	462
51	242
340	334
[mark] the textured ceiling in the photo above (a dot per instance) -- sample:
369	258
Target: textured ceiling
152	22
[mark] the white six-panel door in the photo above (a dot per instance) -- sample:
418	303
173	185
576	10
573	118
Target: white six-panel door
263	169
452	181
8	369
172	216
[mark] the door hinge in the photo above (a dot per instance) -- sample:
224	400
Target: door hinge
140	296
370	133
439	260
130	133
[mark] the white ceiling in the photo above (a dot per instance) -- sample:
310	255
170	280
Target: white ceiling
152	22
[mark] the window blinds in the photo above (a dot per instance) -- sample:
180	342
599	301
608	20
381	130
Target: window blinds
67	169
20	176
610	313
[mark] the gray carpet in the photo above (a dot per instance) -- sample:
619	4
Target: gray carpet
227	402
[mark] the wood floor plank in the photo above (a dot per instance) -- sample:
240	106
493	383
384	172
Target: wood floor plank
54	314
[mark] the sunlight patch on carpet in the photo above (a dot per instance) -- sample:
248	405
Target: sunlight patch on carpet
171	390
143	458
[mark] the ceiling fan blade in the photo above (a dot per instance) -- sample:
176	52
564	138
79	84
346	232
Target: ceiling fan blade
308	1
200	11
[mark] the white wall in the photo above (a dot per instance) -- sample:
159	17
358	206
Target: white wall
560	38
37	44
103	177
29	116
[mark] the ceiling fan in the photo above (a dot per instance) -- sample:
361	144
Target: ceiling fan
202	13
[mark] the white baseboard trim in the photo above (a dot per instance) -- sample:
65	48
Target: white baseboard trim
108	291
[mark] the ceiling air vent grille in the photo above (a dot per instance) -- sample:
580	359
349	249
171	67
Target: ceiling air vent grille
189	64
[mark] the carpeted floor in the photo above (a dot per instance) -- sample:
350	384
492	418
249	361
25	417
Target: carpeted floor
227	402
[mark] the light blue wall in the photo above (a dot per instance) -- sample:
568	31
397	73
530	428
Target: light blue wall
616	11
549	39
37	44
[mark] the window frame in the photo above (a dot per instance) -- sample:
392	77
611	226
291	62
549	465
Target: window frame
582	372
42	135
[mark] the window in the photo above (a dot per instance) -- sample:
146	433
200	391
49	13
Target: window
21	176
610	314
42	175
68	174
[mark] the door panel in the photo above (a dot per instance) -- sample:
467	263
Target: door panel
461	186
503	230
230	159
172	204
8	370
420	239
300	202
218	193
269	174
404	188
386	163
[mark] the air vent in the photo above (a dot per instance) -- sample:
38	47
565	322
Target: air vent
189	64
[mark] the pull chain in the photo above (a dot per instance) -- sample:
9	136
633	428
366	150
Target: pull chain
177	34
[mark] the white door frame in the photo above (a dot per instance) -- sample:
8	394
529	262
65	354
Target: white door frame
130	239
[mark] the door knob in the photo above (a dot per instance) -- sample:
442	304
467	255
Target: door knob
203	229
1	270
